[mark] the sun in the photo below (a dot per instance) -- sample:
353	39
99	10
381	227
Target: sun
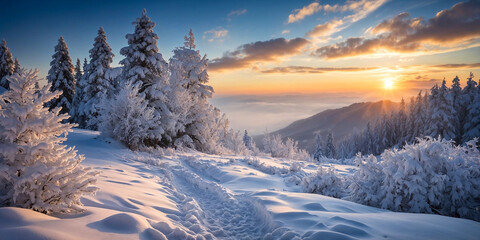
388	83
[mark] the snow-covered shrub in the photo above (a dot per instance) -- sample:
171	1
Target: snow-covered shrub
431	176
274	145
325	182
366	182
127	117
232	141
36	170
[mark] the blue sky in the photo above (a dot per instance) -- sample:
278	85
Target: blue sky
264	50
32	28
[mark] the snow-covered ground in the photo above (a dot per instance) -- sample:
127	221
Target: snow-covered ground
199	196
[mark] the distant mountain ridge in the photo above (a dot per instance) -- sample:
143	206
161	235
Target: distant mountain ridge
341	121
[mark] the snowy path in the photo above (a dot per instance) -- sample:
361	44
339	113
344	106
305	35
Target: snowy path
226	216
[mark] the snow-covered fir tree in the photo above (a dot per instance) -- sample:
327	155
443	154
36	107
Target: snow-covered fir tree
78	71
318	151
189	80
78	96
419	117
369	139
330	151
36	170
247	140
455	93
401	123
410	126
144	64
442	113
95	85
127	117
85	64
61	77
7	66
471	101
17	66
472	122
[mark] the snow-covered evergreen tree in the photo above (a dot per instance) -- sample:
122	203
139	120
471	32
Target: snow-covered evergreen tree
386	129
78	96
369	139
7	66
189	40
78	71
426	113
127	117
418	116
17	66
36	170
61	77
95	85
144	64
442	113
318	151
471	98
455	93
247	140
472	123
410	126
330	151
85	64
189	79
401	124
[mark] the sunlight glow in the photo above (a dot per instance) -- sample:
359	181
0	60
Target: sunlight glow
388	83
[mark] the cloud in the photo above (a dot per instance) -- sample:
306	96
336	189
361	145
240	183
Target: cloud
404	70
360	8
285	32
304	69
459	65
215	34
234	13
325	29
402	34
299	14
247	55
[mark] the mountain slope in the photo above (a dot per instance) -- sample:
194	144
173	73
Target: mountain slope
342	122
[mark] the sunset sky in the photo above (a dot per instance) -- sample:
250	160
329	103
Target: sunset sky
272	62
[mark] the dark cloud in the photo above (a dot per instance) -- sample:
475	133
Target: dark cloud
262	51
404	34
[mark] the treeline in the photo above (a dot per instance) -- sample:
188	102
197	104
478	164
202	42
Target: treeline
148	102
452	113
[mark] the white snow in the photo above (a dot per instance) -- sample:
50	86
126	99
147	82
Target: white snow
198	196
